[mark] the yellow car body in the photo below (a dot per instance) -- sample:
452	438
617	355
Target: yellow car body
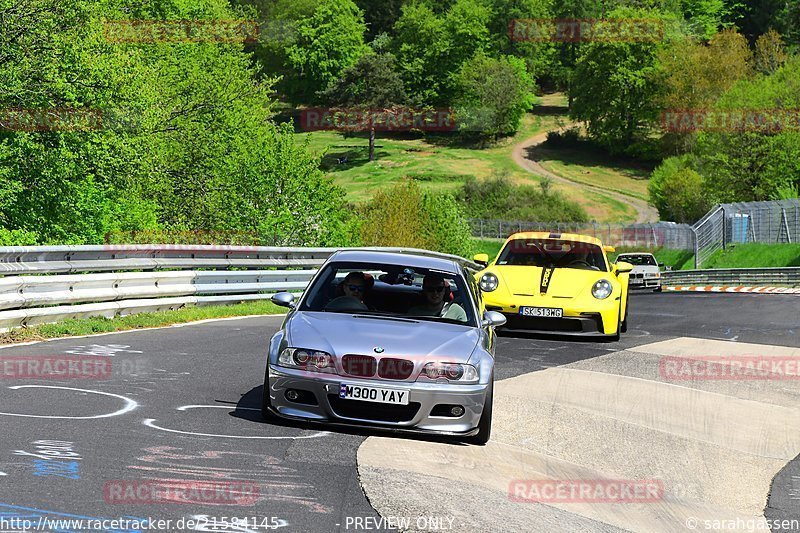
556	283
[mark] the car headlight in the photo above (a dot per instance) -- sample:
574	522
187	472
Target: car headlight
602	289
311	360
451	372
488	282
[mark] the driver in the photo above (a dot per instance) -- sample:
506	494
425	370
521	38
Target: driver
353	289
435	288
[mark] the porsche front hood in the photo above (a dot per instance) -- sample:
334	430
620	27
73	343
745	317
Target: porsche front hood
552	282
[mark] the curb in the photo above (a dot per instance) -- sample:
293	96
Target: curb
733	288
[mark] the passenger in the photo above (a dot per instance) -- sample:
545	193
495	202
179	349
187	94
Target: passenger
352	291
437	300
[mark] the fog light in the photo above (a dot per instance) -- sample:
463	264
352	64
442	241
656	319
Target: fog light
292	395
457	410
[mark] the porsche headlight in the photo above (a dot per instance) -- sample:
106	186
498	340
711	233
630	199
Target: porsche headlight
602	289
488	282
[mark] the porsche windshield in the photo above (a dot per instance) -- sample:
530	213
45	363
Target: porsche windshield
553	253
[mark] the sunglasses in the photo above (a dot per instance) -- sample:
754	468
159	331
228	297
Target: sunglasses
440	288
356	288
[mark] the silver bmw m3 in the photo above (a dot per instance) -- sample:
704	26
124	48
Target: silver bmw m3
397	341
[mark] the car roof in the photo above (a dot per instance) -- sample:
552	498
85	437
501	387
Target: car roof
636	253
408	259
555	235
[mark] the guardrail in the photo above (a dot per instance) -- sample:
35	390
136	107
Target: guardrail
788	276
53	283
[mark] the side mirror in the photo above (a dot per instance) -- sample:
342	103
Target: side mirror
661	265
623	267
609	249
283	299
482	259
493	318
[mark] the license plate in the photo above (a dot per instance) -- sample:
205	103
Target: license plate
544	312
373	394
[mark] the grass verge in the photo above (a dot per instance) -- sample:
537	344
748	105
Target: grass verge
755	255
89	326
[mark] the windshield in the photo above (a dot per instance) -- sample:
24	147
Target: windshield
403	292
553	253
638	260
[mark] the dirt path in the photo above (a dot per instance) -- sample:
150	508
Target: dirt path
521	155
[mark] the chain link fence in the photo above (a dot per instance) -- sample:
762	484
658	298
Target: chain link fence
660	234
773	222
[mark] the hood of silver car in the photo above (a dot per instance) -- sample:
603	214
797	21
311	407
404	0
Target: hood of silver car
343	333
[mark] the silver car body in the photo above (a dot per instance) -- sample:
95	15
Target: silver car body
647	276
419	341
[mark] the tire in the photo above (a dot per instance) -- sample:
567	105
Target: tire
485	424
266	404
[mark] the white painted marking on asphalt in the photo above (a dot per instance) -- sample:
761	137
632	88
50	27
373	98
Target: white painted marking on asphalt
150	422
130	405
185	407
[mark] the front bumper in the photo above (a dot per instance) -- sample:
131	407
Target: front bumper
416	416
645	283
599	320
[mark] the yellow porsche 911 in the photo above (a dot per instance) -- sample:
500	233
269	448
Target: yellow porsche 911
557	283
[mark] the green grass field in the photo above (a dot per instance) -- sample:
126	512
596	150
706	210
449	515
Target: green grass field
755	255
440	165
89	326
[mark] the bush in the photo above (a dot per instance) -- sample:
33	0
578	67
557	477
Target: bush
677	191
569	138
406	216
498	198
18	237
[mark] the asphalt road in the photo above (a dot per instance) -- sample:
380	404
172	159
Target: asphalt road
177	406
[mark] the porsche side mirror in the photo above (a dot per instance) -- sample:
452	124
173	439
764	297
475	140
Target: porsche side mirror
283	299
481	259
609	249
623	267
493	318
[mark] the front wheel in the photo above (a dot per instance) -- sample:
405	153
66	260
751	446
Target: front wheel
485	424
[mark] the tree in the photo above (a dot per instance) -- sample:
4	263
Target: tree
615	87
186	137
770	54
380	16
407	216
678	191
752	158
494	94
431	47
370	85
694	75
327	42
